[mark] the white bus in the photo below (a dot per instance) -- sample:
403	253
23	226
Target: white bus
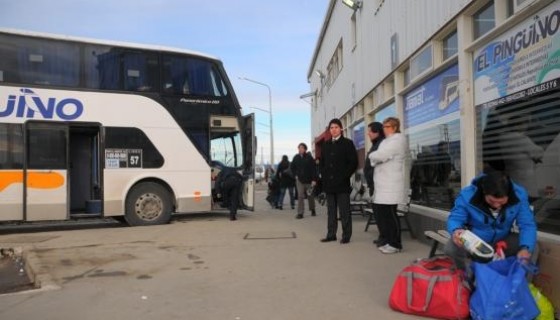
94	128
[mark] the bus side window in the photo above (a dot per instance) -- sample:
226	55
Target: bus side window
45	62
176	75
11	146
140	71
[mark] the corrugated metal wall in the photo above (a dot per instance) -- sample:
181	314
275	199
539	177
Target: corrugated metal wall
366	64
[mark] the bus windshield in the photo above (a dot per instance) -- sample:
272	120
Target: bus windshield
226	149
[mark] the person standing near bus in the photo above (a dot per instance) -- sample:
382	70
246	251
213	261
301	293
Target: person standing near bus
303	169
339	161
389	184
287	182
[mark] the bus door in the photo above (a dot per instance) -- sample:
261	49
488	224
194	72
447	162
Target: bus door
228	148
84	178
249	149
45	171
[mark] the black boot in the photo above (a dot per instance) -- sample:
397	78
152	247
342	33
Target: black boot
313	212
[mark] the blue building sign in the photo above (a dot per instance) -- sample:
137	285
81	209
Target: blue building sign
433	99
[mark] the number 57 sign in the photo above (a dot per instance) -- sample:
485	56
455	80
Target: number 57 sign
134	158
123	158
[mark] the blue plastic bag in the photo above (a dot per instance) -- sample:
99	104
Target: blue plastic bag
502	291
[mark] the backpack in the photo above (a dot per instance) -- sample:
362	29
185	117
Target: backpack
288	172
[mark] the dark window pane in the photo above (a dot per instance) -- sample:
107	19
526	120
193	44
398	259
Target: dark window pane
118	69
46	147
191	76
133	139
484	20
140	71
450	45
435	176
38	61
11	146
102	66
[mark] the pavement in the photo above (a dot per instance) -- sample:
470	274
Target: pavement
266	265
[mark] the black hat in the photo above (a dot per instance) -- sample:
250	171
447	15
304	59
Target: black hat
376	126
337	122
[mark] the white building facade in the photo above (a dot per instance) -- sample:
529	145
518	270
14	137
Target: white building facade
475	83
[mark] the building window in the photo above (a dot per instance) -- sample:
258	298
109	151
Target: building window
432	123
335	65
450	45
484	20
421	62
354	31
435	175
514	6
406	76
523	140
386	112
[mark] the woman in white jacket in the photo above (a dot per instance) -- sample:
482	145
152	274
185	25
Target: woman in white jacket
388	180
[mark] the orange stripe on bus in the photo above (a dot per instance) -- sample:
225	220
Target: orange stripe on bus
197	196
38	180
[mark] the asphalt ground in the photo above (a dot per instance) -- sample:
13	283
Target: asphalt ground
266	265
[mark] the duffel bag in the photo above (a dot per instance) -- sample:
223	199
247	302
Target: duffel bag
502	292
432	287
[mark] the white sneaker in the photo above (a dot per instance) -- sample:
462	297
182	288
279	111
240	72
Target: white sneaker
383	247
387	249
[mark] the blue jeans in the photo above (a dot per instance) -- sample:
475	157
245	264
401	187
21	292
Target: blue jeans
281	195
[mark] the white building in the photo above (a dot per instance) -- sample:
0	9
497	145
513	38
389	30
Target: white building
475	83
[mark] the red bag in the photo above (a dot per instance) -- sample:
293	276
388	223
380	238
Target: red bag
431	288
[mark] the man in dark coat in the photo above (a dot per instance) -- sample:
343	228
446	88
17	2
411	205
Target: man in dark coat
338	163
305	172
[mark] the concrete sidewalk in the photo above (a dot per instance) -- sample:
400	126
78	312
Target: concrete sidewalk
266	265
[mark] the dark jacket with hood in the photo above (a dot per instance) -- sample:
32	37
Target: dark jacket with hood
285	174
471	212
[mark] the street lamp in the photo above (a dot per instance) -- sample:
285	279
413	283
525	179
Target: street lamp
269	112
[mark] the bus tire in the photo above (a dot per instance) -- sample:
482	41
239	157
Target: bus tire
148	203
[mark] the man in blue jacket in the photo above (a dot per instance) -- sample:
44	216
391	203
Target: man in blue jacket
488	208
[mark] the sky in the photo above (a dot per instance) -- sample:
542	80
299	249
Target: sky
268	41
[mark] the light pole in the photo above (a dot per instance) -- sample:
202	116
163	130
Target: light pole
269	112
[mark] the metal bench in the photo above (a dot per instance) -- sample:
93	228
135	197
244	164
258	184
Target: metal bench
438	238
402	213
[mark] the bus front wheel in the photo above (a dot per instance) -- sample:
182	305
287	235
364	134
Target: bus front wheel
148	203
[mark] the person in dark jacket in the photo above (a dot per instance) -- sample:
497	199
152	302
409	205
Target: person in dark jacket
287	181
339	161
488	208
228	188
303	169
376	135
